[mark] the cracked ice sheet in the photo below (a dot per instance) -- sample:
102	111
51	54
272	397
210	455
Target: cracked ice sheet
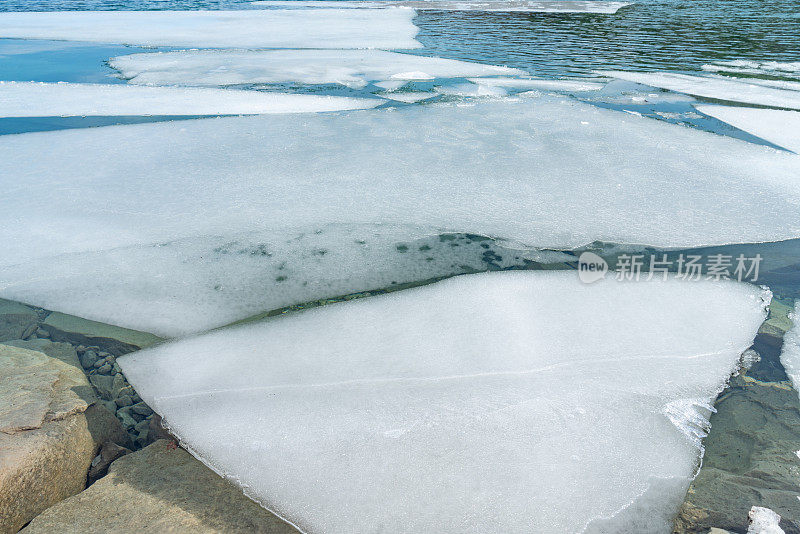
779	127
35	99
545	172
489	402
324	28
718	88
531	6
353	68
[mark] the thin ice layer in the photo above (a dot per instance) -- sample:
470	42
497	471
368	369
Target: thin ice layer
35	99
790	353
779	127
182	287
532	6
541	84
324	28
546	172
762	68
353	68
718	88
485	403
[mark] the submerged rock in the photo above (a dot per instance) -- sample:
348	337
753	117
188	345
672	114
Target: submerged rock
113	339
50	429
16	319
159	489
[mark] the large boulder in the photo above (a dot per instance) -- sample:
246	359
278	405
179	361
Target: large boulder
158	489
50	428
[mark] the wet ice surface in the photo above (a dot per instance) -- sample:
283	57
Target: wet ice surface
790	355
465	404
325	28
192	285
36	99
530	6
353	68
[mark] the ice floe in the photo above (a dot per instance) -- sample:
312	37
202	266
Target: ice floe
539	84
192	285
35	99
762	68
532	6
484	403
546	172
324	28
716	87
408	97
779	127
790	353
353	68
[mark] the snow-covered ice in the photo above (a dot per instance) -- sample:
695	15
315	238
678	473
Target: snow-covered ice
35	99
716	87
408	97
779	127
539	84
494	402
789	69
546	172
353	68
323	28
532	6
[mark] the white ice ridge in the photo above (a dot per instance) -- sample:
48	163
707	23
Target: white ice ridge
541	84
790	353
779	127
485	403
532	6
718	87
183	287
545	172
353	68
324	28
35	99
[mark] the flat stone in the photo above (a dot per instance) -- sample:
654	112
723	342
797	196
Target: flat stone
15	319
113	339
158	489
50	429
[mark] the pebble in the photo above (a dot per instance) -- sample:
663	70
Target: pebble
104	369
123	414
88	359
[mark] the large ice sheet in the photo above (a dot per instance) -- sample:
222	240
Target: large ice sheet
181	287
546	172
484	403
354	68
716	87
324	28
790	352
34	99
532	6
779	127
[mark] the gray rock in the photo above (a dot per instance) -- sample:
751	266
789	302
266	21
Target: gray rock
43	334
15	319
88	359
108	453
105	369
123	400
104	385
124	415
29	331
141	409
159	489
49	429
112	339
118	385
